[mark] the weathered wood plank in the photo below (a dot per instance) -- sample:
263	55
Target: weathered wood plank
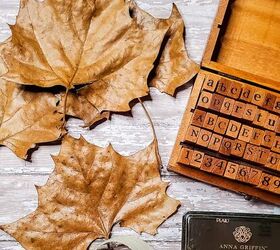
12	245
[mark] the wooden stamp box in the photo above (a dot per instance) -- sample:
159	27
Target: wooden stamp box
238	87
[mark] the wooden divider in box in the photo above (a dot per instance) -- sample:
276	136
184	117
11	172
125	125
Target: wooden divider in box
245	41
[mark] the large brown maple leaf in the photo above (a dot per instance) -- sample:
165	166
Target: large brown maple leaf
72	42
90	190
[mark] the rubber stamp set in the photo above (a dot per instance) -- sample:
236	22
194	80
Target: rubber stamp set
230	133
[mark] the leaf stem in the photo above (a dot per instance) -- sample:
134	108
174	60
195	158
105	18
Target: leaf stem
153	130
109	246
65	106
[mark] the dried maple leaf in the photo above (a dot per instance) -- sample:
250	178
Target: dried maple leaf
80	107
174	67
27	118
90	190
70	42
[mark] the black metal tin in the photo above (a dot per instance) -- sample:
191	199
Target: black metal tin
218	231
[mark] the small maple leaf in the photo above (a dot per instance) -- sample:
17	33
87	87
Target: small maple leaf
174	67
78	106
28	118
90	190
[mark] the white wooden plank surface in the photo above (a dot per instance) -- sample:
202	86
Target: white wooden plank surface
128	135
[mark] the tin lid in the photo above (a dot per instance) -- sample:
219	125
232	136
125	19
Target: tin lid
215	231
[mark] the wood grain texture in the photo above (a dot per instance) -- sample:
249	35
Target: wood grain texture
237	58
127	134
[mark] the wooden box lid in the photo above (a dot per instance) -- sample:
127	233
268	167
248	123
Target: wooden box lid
245	41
